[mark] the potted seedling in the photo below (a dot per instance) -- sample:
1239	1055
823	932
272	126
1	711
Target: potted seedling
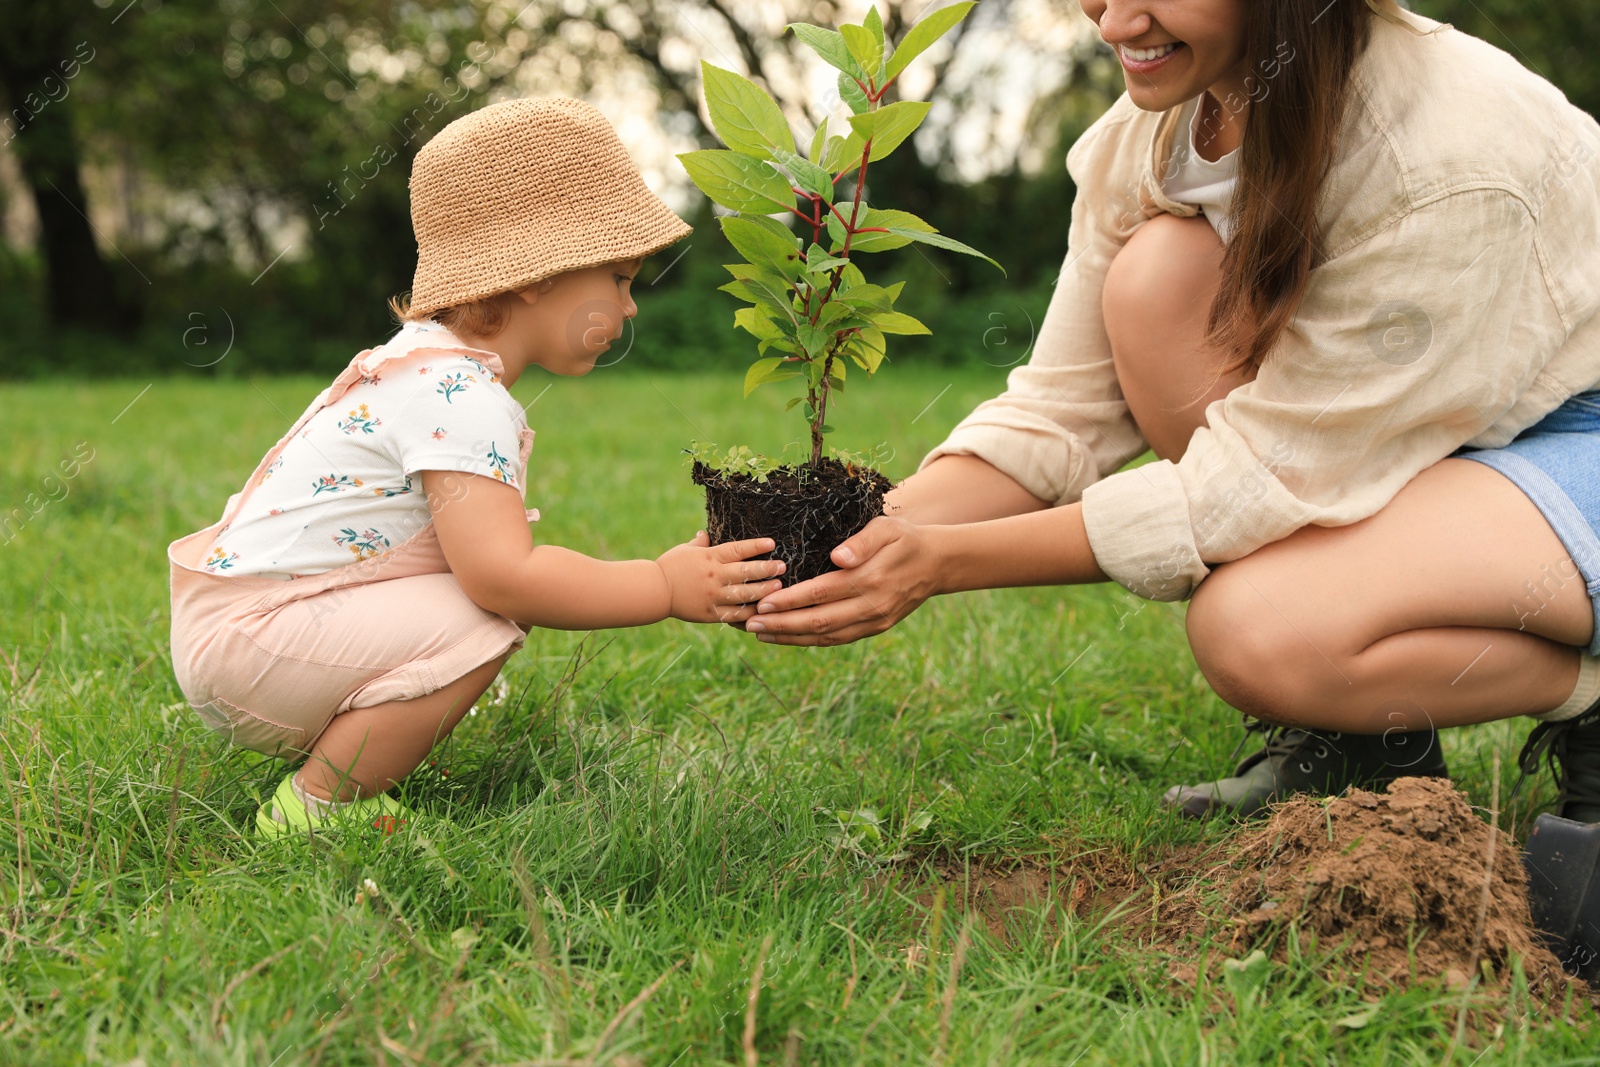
813	313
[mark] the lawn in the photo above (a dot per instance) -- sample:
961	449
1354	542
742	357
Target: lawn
660	846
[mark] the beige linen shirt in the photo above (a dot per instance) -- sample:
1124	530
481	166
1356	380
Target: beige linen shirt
1454	305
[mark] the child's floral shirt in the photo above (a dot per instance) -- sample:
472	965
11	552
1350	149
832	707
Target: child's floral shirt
348	486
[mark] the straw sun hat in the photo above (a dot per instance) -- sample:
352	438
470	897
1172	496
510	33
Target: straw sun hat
521	191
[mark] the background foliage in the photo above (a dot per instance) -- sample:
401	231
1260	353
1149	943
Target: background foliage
245	161
213	175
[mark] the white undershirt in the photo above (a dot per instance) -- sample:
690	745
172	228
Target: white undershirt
1192	179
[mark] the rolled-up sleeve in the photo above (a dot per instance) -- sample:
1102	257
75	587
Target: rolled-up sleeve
1062	423
1406	346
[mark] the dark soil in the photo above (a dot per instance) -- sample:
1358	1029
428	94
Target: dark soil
1400	884
807	510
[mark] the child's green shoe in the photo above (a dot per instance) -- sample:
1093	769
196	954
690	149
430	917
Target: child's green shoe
286	813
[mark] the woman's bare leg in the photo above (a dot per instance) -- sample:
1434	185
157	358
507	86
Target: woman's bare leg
1455	604
1156	302
367	751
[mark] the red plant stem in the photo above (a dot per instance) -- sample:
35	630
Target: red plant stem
819	404
816	238
850	227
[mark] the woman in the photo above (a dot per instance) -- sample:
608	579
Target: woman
1396	274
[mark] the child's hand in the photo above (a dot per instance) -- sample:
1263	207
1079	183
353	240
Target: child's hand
719	584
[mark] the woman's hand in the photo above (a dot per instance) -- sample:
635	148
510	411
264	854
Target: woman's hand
718	584
888	570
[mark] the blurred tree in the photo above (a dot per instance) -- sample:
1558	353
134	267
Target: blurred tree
272	138
1552	38
42	52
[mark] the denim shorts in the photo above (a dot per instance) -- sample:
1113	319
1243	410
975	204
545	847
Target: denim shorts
1556	461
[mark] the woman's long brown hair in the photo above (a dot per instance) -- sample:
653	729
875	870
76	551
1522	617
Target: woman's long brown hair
1300	55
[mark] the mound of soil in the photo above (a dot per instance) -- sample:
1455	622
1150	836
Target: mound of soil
807	510
1409	884
1411	879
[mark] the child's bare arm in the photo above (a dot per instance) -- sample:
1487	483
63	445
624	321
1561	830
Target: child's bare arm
490	549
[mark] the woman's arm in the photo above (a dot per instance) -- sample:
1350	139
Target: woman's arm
894	565
958	489
484	533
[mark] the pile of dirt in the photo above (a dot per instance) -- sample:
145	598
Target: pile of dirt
808	510
1411	880
1409	884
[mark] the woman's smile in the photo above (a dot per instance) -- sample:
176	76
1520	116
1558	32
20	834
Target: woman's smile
1147	60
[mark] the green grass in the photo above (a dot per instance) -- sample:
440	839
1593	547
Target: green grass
643	818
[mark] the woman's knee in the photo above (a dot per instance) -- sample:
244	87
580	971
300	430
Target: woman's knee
1251	657
1169	270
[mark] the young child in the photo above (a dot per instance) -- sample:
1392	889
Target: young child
372	577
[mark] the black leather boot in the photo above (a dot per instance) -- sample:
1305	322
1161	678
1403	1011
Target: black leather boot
1310	761
1572	748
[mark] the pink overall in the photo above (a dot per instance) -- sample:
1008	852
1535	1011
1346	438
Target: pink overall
268	663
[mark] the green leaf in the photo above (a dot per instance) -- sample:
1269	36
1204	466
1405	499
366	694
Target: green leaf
807	175
761	286
924	34
818	260
774	226
761	246
834	315
793	403
898	323
850	92
758	324
875	218
819	141
745	117
750	272
865	46
836	371
738	182
1360	1019
887	128
868	349
844	153
874	23
830	46
750	294
814	340
1244	978
765	371
939	240
869	297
